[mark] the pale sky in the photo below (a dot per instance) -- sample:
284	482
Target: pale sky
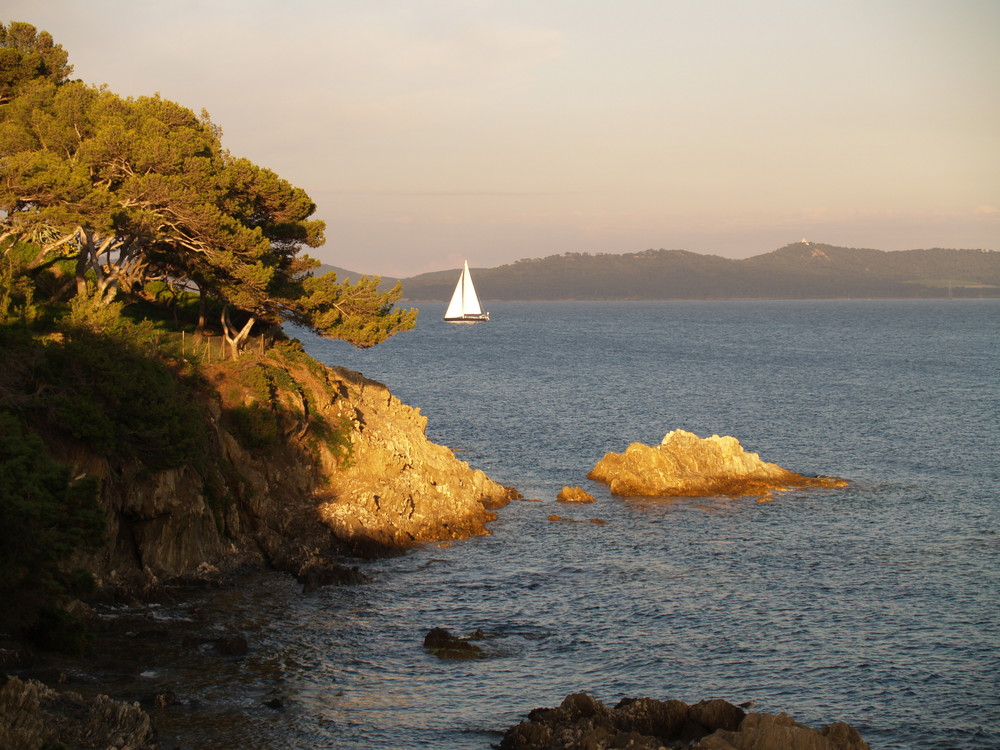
433	131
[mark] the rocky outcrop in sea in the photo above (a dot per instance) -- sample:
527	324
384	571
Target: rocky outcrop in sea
574	495
582	722
686	465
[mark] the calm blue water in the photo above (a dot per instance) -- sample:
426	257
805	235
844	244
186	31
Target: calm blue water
878	604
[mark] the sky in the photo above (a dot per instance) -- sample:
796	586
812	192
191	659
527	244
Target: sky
429	132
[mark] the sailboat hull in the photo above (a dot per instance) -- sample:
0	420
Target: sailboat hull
469	318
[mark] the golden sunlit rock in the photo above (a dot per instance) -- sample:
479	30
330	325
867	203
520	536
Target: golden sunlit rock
684	464
574	495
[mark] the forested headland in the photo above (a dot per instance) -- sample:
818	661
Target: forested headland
141	265
803	270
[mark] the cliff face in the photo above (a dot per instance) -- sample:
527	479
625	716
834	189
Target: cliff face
301	459
399	488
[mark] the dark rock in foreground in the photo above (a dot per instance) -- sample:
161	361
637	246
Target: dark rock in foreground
583	723
33	717
684	464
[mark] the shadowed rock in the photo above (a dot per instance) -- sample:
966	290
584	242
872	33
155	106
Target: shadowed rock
581	721
684	464
33	716
444	645
317	572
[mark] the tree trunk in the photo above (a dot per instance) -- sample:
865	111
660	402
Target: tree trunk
236	340
83	262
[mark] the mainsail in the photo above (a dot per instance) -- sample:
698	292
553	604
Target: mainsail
464	305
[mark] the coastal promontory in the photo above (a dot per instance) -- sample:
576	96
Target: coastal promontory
299	460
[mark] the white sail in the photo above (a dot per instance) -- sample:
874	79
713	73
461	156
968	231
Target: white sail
470	300
464	302
455	306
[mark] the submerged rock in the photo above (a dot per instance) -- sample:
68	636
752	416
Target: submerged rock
317	572
684	464
233	644
444	645
581	721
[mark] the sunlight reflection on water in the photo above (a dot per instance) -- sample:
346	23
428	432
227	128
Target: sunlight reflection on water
876	604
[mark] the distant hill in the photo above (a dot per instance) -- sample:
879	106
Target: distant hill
804	270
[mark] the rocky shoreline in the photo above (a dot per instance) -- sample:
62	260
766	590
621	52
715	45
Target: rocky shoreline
34	716
308	469
332	464
346	472
581	722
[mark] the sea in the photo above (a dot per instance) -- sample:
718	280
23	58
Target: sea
877	604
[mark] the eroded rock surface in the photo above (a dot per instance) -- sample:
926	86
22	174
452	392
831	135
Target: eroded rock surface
33	716
684	464
399	488
582	722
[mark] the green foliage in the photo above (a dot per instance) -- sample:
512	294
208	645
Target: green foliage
45	518
27	55
358	313
110	395
55	629
132	191
335	436
291	350
17	290
106	390
87	314
257	424
271	397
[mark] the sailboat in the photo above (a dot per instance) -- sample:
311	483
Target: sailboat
464	306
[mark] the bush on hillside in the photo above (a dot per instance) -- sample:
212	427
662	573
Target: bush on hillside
45	518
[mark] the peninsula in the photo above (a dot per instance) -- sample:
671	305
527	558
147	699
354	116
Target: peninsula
801	270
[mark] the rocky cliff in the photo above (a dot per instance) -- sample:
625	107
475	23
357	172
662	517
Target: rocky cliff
299	460
684	464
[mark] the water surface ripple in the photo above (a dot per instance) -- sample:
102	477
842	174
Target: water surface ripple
876	604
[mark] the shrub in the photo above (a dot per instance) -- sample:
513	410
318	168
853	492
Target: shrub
45	518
